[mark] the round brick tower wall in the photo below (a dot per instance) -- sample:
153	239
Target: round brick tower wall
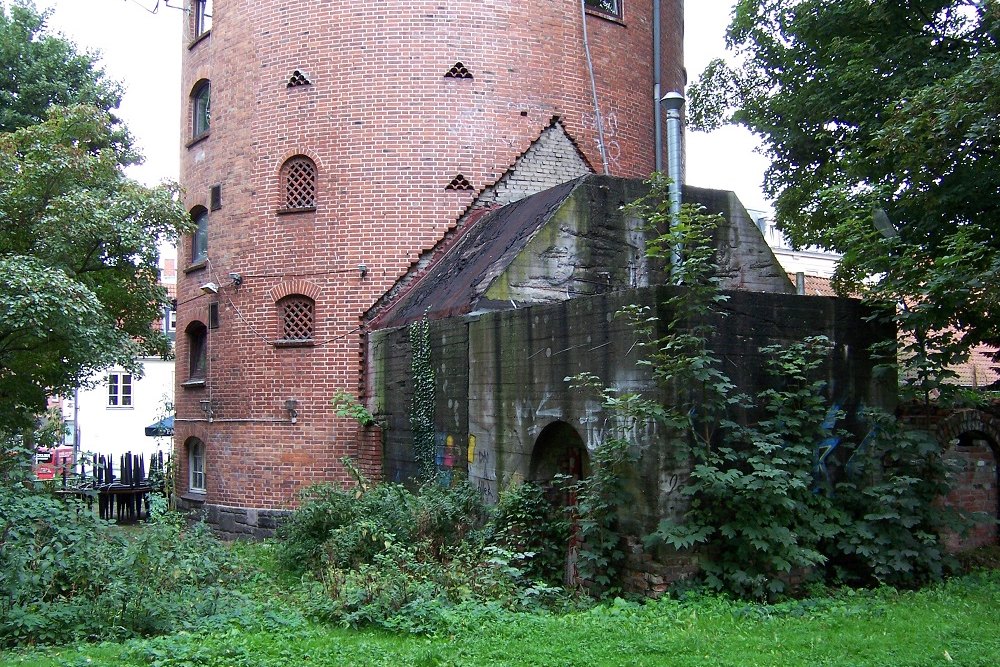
367	92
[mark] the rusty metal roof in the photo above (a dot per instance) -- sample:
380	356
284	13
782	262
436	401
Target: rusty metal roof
454	284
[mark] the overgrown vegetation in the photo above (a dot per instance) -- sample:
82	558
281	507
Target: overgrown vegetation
406	560
776	494
66	575
952	623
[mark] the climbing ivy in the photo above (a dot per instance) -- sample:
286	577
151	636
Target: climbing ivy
422	403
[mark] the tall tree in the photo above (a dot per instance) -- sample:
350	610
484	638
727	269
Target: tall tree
882	121
38	70
79	276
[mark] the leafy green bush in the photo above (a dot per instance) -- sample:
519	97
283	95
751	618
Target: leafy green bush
347	527
891	517
384	555
527	520
65	574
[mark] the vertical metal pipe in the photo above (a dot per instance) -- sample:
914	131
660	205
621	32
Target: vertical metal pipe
657	85
800	283
674	102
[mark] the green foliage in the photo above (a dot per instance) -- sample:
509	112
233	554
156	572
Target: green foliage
347	405
601	497
891	498
66	575
880	119
79	278
384	555
754	514
760	517
345	527
530	520
79	273
422	403
952	623
40	70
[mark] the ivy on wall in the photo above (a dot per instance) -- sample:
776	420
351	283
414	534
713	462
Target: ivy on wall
422	403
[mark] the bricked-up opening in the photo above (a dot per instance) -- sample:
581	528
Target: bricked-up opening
460	182
201	109
458	71
199	238
609	7
298	78
298	176
197	339
297	317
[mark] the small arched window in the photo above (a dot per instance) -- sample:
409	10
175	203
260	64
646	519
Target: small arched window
297	318
196	465
201	108
197	339
298	180
199	237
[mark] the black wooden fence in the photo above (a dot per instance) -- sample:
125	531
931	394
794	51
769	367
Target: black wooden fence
121	496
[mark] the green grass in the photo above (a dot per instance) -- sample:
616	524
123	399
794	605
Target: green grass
957	623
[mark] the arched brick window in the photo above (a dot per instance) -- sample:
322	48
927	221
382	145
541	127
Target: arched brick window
201	108
298	182
297	319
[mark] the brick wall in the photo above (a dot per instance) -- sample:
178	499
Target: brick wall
387	132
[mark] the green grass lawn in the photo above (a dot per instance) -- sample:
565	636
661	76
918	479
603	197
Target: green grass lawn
957	623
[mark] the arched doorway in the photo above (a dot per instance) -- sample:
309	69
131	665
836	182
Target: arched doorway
972	440
558	450
560	454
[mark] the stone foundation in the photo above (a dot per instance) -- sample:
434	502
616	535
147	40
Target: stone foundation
231	523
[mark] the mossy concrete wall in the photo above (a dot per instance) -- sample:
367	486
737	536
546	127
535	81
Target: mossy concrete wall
500	379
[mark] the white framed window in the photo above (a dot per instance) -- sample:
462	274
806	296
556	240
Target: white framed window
196	465
170	321
202	17
119	390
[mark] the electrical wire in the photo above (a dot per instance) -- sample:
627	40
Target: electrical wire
154	10
593	88
253	329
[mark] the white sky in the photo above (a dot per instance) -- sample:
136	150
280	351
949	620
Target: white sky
143	50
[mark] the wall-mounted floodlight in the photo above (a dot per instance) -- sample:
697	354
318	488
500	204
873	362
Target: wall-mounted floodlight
210	288
363	270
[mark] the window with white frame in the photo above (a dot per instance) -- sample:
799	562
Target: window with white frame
196	465
202	17
119	390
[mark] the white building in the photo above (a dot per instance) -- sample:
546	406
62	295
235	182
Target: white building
110	415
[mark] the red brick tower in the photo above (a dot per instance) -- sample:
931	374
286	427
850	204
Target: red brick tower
327	147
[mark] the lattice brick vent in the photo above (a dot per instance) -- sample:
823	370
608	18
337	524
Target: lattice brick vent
459	183
297	318
298	78
300	184
458	71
